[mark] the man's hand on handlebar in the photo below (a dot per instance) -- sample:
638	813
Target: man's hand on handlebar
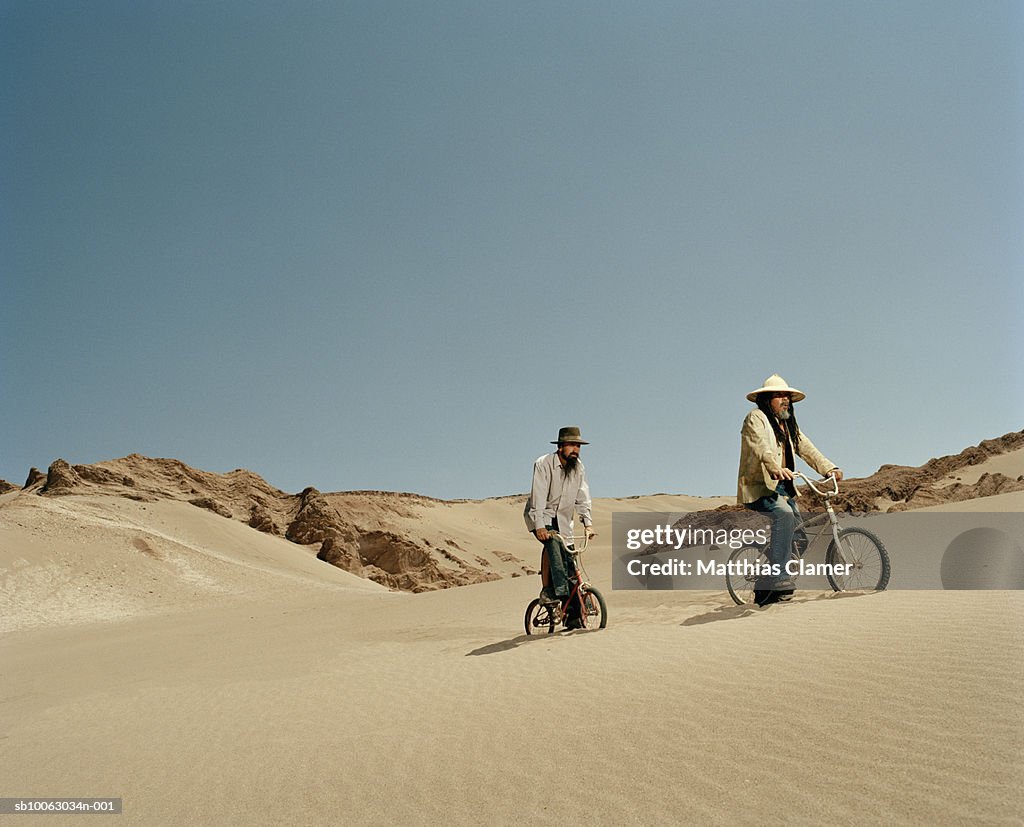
544	535
786	474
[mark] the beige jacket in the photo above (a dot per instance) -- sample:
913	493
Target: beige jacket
761	453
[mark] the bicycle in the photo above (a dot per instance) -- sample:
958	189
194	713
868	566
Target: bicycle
857	549
542	617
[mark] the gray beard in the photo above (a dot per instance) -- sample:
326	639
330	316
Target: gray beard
784	414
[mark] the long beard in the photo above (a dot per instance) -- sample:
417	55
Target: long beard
569	464
783	414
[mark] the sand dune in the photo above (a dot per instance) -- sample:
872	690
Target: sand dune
91	558
210	673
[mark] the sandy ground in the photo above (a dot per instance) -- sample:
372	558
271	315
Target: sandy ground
207	674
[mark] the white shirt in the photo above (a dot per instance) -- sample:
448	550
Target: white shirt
555	494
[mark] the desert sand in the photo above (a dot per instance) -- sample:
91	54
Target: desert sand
206	672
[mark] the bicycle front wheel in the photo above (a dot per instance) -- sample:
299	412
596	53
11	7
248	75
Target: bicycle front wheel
866	560
595	612
540	618
740	576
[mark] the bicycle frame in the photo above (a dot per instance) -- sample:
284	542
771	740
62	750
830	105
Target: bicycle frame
577	585
579	577
829	510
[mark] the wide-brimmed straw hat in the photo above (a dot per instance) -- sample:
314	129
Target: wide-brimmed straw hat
569	434
776	384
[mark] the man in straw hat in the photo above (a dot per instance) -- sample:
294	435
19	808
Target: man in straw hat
770	442
559	487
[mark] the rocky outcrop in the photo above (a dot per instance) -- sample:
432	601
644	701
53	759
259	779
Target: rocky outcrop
401	563
6	487
61	478
341	553
901	487
315	521
360	540
35	477
262	519
400	558
101	476
210	504
387	557
988	485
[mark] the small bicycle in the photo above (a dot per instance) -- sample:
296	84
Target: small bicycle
855	548
542	618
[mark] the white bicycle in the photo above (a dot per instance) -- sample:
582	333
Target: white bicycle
854	550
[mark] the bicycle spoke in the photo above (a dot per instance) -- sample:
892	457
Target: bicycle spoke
741	586
540	619
594	615
867	558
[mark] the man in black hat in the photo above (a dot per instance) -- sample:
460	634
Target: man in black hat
559	488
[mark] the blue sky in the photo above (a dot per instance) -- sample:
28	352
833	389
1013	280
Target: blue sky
396	245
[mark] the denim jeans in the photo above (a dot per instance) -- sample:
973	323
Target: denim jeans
785	517
559	563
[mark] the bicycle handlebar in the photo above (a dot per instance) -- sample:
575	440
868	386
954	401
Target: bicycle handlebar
579	545
815	489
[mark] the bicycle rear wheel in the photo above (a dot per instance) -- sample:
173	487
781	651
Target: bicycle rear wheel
867	558
739	576
595	612
540	618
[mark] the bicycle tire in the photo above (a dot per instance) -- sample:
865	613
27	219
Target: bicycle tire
595	610
868	556
741	587
539	620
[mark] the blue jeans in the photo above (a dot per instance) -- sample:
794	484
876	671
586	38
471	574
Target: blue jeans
559	563
785	517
